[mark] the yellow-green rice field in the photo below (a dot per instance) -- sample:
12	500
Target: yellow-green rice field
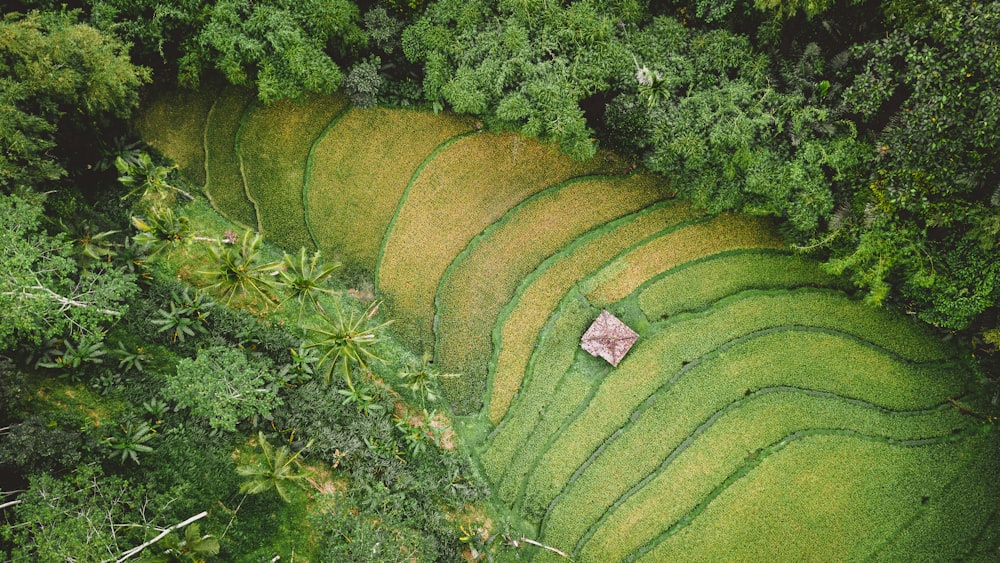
764	413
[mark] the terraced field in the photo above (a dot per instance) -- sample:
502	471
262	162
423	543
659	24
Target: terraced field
763	414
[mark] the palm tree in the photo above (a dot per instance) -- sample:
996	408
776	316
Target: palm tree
148	179
89	247
275	468
303	277
346	341
240	270
421	379
161	231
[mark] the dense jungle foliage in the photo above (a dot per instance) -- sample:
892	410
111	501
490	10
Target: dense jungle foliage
868	127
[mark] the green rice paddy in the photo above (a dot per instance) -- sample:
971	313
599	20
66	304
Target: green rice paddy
484	277
522	320
359	169
763	414
451	202
274	148
174	124
224	181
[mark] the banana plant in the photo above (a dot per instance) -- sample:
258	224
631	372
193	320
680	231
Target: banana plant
131	359
132	440
274	468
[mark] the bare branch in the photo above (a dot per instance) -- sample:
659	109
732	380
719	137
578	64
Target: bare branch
137	549
541	545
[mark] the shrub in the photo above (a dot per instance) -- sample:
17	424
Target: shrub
224	386
43	442
363	82
84	516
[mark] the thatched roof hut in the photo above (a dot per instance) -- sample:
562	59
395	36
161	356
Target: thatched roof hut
608	338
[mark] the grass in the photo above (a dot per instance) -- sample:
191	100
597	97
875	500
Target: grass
623	275
359	170
692	336
522	320
738	443
795	358
224	183
51	393
954	524
484	277
630	270
699	283
846	494
191	258
462	191
274	147
557	350
174	124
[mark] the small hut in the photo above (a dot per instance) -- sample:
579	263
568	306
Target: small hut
608	338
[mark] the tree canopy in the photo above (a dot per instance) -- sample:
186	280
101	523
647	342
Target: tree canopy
57	76
44	293
926	221
278	47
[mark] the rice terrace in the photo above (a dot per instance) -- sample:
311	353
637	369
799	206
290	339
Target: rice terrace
763	413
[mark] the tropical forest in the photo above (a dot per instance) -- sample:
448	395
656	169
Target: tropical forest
499	280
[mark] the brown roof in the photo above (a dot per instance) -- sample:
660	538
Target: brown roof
608	338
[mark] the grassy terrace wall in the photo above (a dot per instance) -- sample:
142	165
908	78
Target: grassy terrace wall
468	186
699	283
763	414
224	181
485	276
274	148
358	170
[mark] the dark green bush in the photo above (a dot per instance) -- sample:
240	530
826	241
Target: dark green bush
45	442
